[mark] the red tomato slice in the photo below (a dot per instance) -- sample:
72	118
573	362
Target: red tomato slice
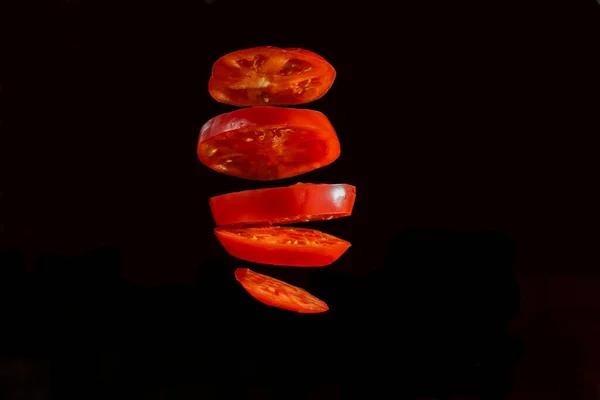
268	143
284	246
270	76
283	205
276	293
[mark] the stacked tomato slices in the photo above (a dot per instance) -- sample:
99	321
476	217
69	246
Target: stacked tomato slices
266	141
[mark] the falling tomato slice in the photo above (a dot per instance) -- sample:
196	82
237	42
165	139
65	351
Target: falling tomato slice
302	202
270	76
276	293
284	246
268	143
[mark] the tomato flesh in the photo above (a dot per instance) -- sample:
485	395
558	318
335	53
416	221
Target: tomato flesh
283	246
268	143
270	76
277	293
302	202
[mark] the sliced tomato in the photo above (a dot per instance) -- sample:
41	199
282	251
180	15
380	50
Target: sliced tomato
270	76
285	246
276	293
268	143
301	202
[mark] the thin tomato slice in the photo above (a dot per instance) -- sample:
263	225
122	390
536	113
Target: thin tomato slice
301	202
270	76
284	246
276	293
268	143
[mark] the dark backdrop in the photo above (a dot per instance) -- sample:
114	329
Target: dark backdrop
464	127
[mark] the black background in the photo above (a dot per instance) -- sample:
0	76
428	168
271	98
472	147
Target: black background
466	128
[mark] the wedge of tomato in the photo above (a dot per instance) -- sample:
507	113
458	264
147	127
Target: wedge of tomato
268	143
276	293
301	202
270	76
283	246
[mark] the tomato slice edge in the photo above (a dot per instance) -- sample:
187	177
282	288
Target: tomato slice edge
254	245
296	141
294	299
244	235
284	84
301	202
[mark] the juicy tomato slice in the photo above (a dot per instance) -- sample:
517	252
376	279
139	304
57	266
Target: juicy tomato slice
276	293
268	143
284	246
301	202
270	76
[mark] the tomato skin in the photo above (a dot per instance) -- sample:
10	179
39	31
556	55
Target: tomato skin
243	244
276	293
270	75
301	202
230	132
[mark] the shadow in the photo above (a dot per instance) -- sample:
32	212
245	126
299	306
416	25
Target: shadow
54	316
14	304
73	323
434	320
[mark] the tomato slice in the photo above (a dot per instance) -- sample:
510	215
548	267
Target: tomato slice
301	202
268	143
276	293
284	246
270	76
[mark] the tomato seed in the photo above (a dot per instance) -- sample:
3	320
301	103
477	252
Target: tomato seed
258	63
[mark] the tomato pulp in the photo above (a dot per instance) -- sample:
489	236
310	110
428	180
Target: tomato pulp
277	293
270	76
283	246
301	202
268	143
